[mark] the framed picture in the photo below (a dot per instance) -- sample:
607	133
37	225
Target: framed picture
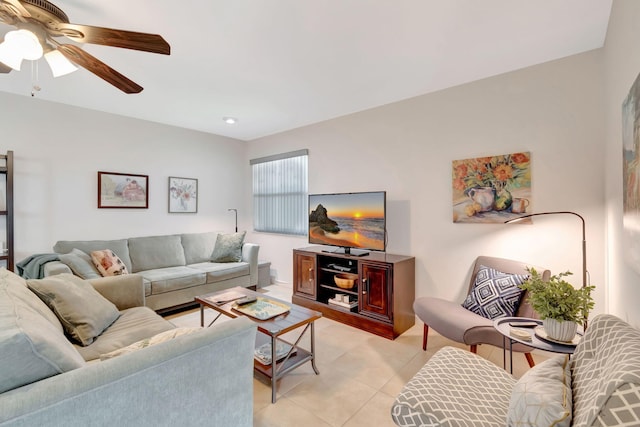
183	195
121	190
492	189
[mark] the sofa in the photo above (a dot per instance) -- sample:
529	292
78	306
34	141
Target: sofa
174	268
192	376
598	386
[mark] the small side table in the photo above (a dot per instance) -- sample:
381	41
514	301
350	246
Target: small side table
504	325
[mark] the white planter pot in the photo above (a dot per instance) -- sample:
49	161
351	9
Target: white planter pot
560	330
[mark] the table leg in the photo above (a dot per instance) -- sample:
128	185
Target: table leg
504	352
201	316
313	349
511	356
274	374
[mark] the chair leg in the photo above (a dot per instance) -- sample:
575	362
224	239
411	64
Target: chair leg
530	360
425	332
473	348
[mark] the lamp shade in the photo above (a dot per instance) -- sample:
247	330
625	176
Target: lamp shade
59	64
19	45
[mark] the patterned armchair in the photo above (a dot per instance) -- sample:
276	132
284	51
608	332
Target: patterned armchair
598	386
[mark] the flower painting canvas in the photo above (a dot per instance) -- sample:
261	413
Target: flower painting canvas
631	175
492	189
183	195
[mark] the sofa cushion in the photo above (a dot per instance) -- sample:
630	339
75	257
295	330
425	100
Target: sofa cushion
198	246
606	374
217	272
173	278
80	263
108	263
148	253
83	312
134	324
31	346
542	396
495	294
147	342
120	247
228	247
455	388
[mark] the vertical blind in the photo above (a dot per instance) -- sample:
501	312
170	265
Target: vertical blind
280	193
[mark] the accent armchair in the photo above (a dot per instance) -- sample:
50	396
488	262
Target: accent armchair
453	321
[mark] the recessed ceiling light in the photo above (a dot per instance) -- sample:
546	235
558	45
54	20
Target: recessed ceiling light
230	120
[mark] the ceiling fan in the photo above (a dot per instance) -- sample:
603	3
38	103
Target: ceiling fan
39	23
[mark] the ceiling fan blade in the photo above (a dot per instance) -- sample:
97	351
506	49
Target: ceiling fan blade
16	6
99	68
111	37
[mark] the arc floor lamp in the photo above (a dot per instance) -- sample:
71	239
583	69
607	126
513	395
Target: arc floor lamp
584	241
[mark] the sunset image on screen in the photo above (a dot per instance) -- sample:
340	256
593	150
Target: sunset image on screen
349	219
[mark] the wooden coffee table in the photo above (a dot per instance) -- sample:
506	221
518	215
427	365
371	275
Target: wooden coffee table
271	329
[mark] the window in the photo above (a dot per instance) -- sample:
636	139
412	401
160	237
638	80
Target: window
280	193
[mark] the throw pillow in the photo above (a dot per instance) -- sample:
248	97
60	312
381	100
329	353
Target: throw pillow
83	312
31	346
228	247
495	294
542	397
108	263
80	263
147	342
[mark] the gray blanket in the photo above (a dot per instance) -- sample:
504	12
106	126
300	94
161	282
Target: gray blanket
32	267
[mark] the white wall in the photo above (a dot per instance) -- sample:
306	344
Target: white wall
622	65
58	151
553	110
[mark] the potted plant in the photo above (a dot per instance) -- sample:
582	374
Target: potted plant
559	304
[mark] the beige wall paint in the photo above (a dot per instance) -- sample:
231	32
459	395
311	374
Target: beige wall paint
621	65
553	110
59	149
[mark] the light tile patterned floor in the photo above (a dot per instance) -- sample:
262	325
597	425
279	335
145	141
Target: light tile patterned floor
360	373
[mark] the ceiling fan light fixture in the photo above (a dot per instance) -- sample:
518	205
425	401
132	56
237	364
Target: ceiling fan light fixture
25	42
230	120
58	63
10	57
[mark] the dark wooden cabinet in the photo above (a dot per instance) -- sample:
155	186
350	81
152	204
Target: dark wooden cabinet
381	299
304	272
375	291
6	170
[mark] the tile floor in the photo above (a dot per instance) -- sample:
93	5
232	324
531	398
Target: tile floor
360	373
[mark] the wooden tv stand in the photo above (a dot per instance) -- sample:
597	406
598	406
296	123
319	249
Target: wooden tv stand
384	289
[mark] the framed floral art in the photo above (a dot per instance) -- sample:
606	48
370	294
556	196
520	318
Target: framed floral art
492	189
183	195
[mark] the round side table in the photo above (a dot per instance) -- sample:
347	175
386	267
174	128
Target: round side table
504	325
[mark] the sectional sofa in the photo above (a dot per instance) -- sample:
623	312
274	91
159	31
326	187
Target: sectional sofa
140	370
175	268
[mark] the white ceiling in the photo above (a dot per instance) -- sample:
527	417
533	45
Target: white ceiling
281	64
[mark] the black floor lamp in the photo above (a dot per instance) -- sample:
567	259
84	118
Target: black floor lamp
236	211
584	240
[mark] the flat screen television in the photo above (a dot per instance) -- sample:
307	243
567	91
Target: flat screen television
354	222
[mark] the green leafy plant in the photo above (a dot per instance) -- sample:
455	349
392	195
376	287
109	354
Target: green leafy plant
557	298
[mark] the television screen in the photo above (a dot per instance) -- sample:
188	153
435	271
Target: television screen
348	220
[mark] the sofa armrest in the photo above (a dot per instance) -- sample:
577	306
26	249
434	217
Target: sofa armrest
250	255
211	370
124	291
56	267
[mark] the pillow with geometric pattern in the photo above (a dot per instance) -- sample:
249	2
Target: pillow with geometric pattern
543	396
108	263
495	294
